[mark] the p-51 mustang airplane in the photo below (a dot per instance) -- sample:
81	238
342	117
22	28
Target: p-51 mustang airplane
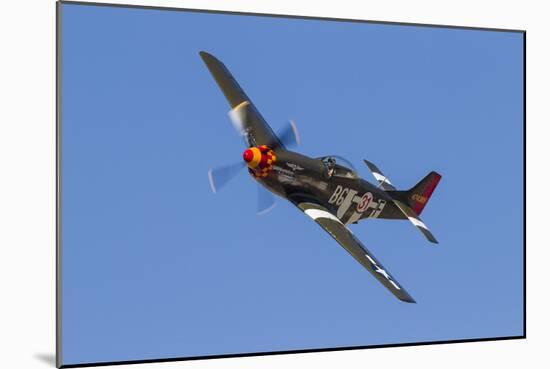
326	189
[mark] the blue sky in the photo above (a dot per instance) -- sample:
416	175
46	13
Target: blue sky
155	265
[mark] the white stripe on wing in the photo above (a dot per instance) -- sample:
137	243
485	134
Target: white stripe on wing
317	213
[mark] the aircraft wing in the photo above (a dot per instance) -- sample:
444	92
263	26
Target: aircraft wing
245	117
333	226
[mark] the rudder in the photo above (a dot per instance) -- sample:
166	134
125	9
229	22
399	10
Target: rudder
418	196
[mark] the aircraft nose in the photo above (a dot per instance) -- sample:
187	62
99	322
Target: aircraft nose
248	155
252	156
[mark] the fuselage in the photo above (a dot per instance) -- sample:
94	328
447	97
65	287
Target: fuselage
340	190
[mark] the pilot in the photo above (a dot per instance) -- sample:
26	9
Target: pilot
330	164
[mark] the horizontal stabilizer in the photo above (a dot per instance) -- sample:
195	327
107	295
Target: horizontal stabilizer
418	223
383	181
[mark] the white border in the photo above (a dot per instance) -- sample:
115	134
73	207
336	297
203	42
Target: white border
27	188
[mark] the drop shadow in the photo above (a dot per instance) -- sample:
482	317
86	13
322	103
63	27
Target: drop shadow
46	358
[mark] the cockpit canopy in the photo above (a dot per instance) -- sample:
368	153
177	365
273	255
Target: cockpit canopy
338	166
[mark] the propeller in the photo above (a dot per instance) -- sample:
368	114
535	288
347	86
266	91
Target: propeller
237	115
288	135
220	176
266	200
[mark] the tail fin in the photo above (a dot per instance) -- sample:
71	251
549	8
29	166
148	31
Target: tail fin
418	196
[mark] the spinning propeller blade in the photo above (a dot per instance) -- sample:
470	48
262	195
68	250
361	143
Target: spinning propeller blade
289	135
266	200
238	118
219	177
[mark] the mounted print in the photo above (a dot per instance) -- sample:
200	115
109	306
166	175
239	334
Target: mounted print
237	184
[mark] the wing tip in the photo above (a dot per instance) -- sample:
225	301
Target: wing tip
209	59
407	298
205	55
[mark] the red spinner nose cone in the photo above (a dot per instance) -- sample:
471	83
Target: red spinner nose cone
248	155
